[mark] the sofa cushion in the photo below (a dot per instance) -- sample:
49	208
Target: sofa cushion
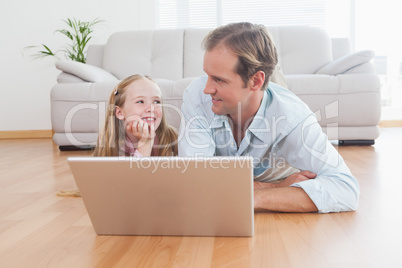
95	55
347	62
301	49
80	107
355	97
194	52
340	47
304	58
172	92
86	72
365	68
156	53
277	77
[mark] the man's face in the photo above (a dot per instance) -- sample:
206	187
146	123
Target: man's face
224	85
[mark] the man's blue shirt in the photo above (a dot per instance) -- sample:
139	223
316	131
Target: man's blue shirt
283	138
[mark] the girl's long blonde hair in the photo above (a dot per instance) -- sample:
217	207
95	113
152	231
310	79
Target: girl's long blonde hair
112	137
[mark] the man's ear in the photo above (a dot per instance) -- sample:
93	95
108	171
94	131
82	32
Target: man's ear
119	113
257	80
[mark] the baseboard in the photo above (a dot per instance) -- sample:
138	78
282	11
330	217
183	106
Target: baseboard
390	123
26	134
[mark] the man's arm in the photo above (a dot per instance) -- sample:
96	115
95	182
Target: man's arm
281	197
334	189
284	199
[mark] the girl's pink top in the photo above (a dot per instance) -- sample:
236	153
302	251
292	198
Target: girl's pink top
129	148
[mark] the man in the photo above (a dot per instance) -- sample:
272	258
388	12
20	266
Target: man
235	111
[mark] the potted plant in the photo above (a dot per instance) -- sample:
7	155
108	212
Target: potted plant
79	34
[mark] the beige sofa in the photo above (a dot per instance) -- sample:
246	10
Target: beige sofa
341	87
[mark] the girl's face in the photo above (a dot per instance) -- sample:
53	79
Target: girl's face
143	101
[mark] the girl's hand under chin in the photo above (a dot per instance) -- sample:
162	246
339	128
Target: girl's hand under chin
140	133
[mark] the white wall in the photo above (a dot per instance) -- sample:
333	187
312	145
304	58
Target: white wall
25	83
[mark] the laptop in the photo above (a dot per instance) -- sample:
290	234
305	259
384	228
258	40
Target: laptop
172	196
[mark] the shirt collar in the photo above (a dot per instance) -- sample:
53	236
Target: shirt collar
259	126
219	121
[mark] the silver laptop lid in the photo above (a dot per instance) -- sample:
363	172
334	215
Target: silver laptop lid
167	195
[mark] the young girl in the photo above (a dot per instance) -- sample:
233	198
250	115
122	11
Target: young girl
135	124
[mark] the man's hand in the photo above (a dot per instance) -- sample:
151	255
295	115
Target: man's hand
297	177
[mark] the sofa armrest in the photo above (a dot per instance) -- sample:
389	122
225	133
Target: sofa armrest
365	68
64	78
347	63
86	72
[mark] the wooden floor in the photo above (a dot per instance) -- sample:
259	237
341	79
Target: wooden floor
40	229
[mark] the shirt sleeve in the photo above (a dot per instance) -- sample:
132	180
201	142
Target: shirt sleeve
195	139
334	189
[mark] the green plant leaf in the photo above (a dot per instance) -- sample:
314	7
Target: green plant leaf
79	34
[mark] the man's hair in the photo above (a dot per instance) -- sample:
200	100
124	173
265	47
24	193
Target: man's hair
252	44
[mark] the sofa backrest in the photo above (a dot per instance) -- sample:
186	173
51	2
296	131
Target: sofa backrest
340	47
178	53
157	53
301	49
193	52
